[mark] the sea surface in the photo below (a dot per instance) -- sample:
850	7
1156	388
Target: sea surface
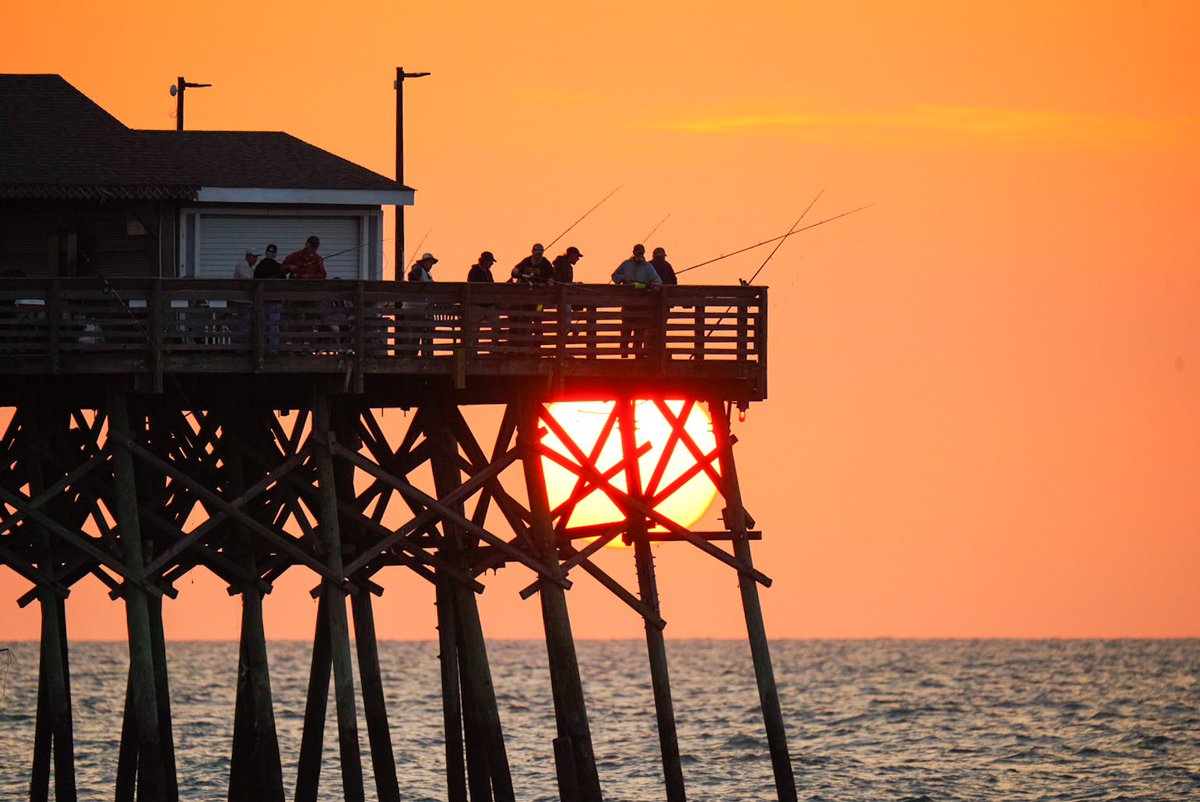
867	720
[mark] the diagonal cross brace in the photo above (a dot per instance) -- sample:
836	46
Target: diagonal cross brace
32	572
55	489
215	520
619	590
630	504
601	540
434	506
428	517
206	495
75	539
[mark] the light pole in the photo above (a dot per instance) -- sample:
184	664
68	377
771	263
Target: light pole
399	86
177	92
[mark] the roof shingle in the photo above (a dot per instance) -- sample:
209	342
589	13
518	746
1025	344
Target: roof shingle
56	143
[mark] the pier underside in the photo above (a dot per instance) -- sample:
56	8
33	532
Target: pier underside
230	460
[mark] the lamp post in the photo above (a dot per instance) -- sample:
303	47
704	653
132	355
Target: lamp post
177	92
399	87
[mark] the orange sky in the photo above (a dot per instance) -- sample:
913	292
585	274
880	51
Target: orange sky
985	390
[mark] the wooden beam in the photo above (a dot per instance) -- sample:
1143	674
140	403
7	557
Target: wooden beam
768	694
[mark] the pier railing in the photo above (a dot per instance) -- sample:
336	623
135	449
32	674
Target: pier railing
202	326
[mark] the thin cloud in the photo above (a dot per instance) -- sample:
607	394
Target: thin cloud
967	124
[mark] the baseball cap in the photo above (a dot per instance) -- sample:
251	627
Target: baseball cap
252	251
574	251
429	257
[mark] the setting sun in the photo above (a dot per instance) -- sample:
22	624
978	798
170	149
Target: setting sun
667	459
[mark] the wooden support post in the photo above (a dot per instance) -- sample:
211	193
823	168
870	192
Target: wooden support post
54	724
456	783
334	593
39	775
483	715
383	760
241	767
768	693
127	757
308	770
255	767
656	646
474	728
145	714
570	711
162	695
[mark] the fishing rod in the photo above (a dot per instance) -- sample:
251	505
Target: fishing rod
651	234
417	249
774	239
770	256
322	256
779	244
580	220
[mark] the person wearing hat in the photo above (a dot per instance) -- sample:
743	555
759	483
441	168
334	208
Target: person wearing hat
268	266
663	267
635	272
245	266
533	269
481	271
422	268
564	265
306	262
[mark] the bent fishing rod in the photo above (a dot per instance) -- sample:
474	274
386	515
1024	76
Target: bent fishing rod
417	249
770	256
783	239
651	234
581	219
775	239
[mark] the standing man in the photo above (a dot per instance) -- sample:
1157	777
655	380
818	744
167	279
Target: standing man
245	266
481	271
533	269
661	266
635	272
420	322
268	266
422	269
564	265
306	263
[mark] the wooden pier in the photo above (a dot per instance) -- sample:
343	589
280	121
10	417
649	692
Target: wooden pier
145	441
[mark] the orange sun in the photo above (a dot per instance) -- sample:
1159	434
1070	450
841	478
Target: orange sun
585	422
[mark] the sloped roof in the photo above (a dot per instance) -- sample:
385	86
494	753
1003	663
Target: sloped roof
56	143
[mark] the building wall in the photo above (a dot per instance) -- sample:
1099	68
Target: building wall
214	238
81	238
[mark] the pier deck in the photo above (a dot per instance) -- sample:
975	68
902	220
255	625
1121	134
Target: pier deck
379	336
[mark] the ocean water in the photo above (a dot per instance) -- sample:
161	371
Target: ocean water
867	720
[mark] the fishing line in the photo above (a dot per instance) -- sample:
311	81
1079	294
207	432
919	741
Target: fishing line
766	241
585	214
651	234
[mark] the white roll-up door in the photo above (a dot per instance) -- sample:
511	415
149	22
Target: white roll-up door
224	238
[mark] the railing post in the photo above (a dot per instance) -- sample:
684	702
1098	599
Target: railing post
258	315
359	335
154	310
53	321
660	327
563	327
743	330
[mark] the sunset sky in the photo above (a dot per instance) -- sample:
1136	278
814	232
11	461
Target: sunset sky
984	412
